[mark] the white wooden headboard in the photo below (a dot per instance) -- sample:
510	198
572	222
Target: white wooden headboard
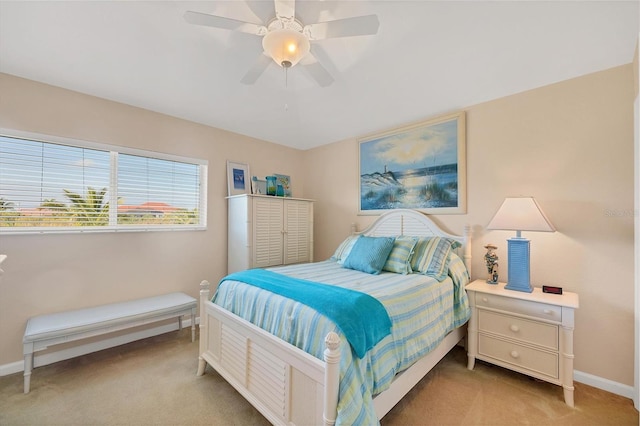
416	224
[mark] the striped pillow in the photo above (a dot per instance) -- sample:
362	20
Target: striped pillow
457	271
398	260
344	249
431	257
369	254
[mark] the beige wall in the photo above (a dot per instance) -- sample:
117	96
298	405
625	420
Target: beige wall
49	273
570	145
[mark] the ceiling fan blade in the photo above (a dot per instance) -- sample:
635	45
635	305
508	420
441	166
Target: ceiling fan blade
215	21
256	70
285	9
263	10
317	71
348	27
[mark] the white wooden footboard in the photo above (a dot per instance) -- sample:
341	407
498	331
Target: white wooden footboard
284	383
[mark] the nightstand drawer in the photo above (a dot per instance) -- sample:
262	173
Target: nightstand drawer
523	307
538	362
523	330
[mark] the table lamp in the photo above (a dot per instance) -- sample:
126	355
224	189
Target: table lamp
520	214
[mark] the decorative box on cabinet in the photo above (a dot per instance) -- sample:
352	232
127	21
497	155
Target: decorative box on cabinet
531	333
268	231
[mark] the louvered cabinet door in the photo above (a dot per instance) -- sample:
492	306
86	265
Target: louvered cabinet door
268	229
298	231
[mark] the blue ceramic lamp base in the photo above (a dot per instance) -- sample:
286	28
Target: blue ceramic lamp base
519	267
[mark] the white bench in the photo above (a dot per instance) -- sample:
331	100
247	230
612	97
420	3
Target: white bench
45	330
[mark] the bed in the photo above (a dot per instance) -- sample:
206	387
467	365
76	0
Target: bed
293	379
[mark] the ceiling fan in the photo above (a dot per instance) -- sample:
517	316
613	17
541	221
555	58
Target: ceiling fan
286	40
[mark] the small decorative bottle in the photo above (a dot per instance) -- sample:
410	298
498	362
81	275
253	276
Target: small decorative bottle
271	185
491	260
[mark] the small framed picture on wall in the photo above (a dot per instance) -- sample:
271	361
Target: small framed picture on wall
238	178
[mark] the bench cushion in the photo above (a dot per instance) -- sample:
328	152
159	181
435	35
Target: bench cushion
82	320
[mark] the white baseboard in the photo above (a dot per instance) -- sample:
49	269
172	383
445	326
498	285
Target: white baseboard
11	368
49	358
83	349
604	384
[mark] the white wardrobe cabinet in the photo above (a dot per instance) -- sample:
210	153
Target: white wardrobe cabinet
268	231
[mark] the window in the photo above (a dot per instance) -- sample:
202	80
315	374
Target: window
62	185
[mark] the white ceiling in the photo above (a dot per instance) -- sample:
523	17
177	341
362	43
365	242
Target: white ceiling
428	58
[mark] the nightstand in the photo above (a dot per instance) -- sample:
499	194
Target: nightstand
531	333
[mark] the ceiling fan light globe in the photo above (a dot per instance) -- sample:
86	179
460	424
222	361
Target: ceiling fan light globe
285	46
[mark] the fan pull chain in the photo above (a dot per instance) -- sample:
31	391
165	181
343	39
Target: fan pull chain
286	77
286	83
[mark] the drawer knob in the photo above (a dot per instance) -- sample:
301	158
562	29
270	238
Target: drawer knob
485	300
548	311
514	328
515	354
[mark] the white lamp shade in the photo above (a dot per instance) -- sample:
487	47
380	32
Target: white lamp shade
520	214
285	45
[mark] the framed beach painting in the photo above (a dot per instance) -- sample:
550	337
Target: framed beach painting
420	166
238	180
285	182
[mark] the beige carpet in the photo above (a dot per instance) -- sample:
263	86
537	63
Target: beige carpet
153	382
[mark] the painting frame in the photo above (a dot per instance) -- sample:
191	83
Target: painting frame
420	166
238	178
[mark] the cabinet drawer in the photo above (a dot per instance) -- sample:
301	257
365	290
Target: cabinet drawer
523	307
523	330
537	362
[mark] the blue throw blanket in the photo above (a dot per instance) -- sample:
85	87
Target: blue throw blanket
362	318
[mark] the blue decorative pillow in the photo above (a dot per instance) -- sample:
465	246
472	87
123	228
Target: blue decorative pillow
398	260
431	257
344	249
369	254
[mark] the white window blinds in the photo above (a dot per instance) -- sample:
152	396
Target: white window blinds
52	186
157	191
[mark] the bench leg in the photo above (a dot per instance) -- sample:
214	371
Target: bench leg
28	366
193	327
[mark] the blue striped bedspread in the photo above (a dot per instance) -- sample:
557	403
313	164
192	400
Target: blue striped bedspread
422	311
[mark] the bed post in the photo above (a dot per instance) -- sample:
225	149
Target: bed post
204	297
331	378
467	247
